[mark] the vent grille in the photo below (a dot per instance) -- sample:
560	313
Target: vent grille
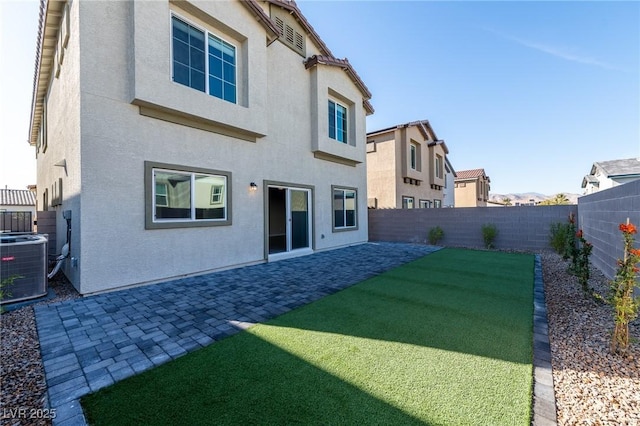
299	41
290	32
280	25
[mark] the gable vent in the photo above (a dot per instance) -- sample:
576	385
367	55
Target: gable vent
291	34
280	25
299	41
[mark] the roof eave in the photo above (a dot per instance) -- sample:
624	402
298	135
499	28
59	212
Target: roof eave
263	19
292	7
315	60
48	27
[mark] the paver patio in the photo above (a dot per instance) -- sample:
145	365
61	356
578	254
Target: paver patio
92	342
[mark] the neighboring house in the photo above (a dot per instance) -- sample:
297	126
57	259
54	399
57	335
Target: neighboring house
17	200
472	188
607	174
17	210
449	193
183	137
406	167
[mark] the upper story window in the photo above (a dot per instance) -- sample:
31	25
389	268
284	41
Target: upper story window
337	122
439	170
203	61
414	156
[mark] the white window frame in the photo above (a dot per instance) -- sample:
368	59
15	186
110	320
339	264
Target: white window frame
217	193
425	204
413	156
438	166
335	121
408	202
206	55
166	194
344	190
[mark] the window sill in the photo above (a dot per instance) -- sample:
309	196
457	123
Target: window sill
351	228
197	122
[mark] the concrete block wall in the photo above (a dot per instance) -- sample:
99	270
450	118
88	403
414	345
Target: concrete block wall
521	227
599	216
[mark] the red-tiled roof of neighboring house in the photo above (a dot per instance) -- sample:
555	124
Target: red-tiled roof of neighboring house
469	174
17	197
423	126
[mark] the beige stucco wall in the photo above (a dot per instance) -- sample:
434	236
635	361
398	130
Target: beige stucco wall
466	196
389	162
382	165
471	195
126	63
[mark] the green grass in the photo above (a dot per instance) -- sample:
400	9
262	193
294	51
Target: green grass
446	339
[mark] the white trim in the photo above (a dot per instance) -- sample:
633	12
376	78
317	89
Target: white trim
206	32
289	252
344	209
335	121
192	196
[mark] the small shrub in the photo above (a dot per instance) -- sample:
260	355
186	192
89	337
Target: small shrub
625	306
558	237
570	248
4	285
582	263
489	234
435	235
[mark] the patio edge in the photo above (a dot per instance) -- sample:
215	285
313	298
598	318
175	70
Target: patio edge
544	400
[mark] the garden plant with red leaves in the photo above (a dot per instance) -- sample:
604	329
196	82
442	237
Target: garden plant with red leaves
622	287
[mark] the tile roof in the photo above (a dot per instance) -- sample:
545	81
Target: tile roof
423	125
629	166
49	22
17	197
470	174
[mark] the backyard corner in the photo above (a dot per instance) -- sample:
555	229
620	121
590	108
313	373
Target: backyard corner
428	342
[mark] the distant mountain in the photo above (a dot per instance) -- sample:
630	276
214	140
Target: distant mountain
530	198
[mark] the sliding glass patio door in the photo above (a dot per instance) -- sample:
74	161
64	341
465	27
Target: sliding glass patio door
289	227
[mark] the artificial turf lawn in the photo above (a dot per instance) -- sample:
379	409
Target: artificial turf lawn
445	339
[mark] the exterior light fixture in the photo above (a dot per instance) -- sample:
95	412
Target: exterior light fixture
253	186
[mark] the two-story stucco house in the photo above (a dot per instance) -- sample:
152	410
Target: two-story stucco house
183	137
607	174
406	167
472	188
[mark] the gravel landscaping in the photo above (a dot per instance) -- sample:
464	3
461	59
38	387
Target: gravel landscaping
592	387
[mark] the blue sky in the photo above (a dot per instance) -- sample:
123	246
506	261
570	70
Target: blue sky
533	92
